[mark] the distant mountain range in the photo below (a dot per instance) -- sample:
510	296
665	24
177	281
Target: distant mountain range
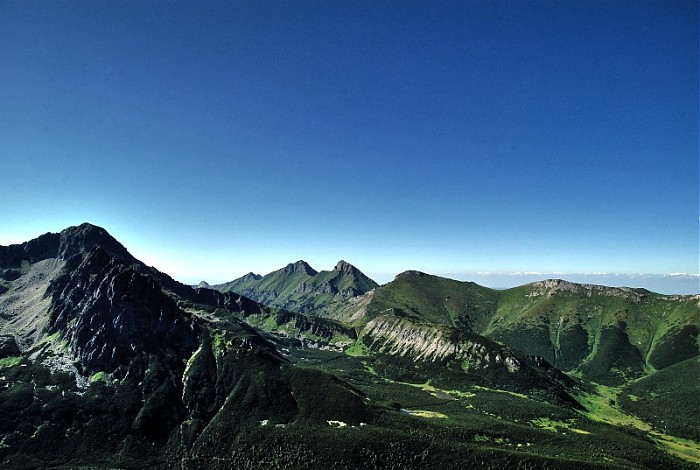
108	363
301	288
605	334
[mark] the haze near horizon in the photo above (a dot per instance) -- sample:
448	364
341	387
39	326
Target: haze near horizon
484	141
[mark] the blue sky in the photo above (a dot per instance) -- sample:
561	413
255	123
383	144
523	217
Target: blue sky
217	138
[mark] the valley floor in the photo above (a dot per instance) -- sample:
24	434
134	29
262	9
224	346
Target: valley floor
505	421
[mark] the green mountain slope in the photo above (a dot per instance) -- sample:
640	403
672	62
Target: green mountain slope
407	339
436	300
668	399
608	335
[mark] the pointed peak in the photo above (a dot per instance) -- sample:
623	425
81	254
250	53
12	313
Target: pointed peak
344	267
85	237
84	229
351	280
251	276
89	226
204	285
300	266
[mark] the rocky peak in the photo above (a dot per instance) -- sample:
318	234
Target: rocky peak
203	285
85	237
553	287
345	267
251	276
300	266
64	245
109	313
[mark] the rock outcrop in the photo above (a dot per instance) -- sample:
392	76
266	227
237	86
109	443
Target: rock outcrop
109	314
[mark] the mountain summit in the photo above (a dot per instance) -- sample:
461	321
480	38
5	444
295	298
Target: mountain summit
344	267
64	245
300	266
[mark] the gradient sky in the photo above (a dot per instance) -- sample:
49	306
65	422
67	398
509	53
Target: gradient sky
217	138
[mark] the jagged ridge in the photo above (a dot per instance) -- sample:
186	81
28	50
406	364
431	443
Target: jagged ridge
300	288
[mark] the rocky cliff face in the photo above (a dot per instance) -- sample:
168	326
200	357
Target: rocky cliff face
552	287
298	267
398	336
435	348
27	269
109	314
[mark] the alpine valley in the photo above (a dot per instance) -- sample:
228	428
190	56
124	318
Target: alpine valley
108	363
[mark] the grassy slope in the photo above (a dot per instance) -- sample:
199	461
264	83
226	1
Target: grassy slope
238	285
603	405
668	399
610	335
282	281
501	423
625	337
436	300
351	278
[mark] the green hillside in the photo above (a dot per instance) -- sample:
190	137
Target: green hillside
436	300
669	399
608	335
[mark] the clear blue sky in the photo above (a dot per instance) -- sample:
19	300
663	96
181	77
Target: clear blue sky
217	138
